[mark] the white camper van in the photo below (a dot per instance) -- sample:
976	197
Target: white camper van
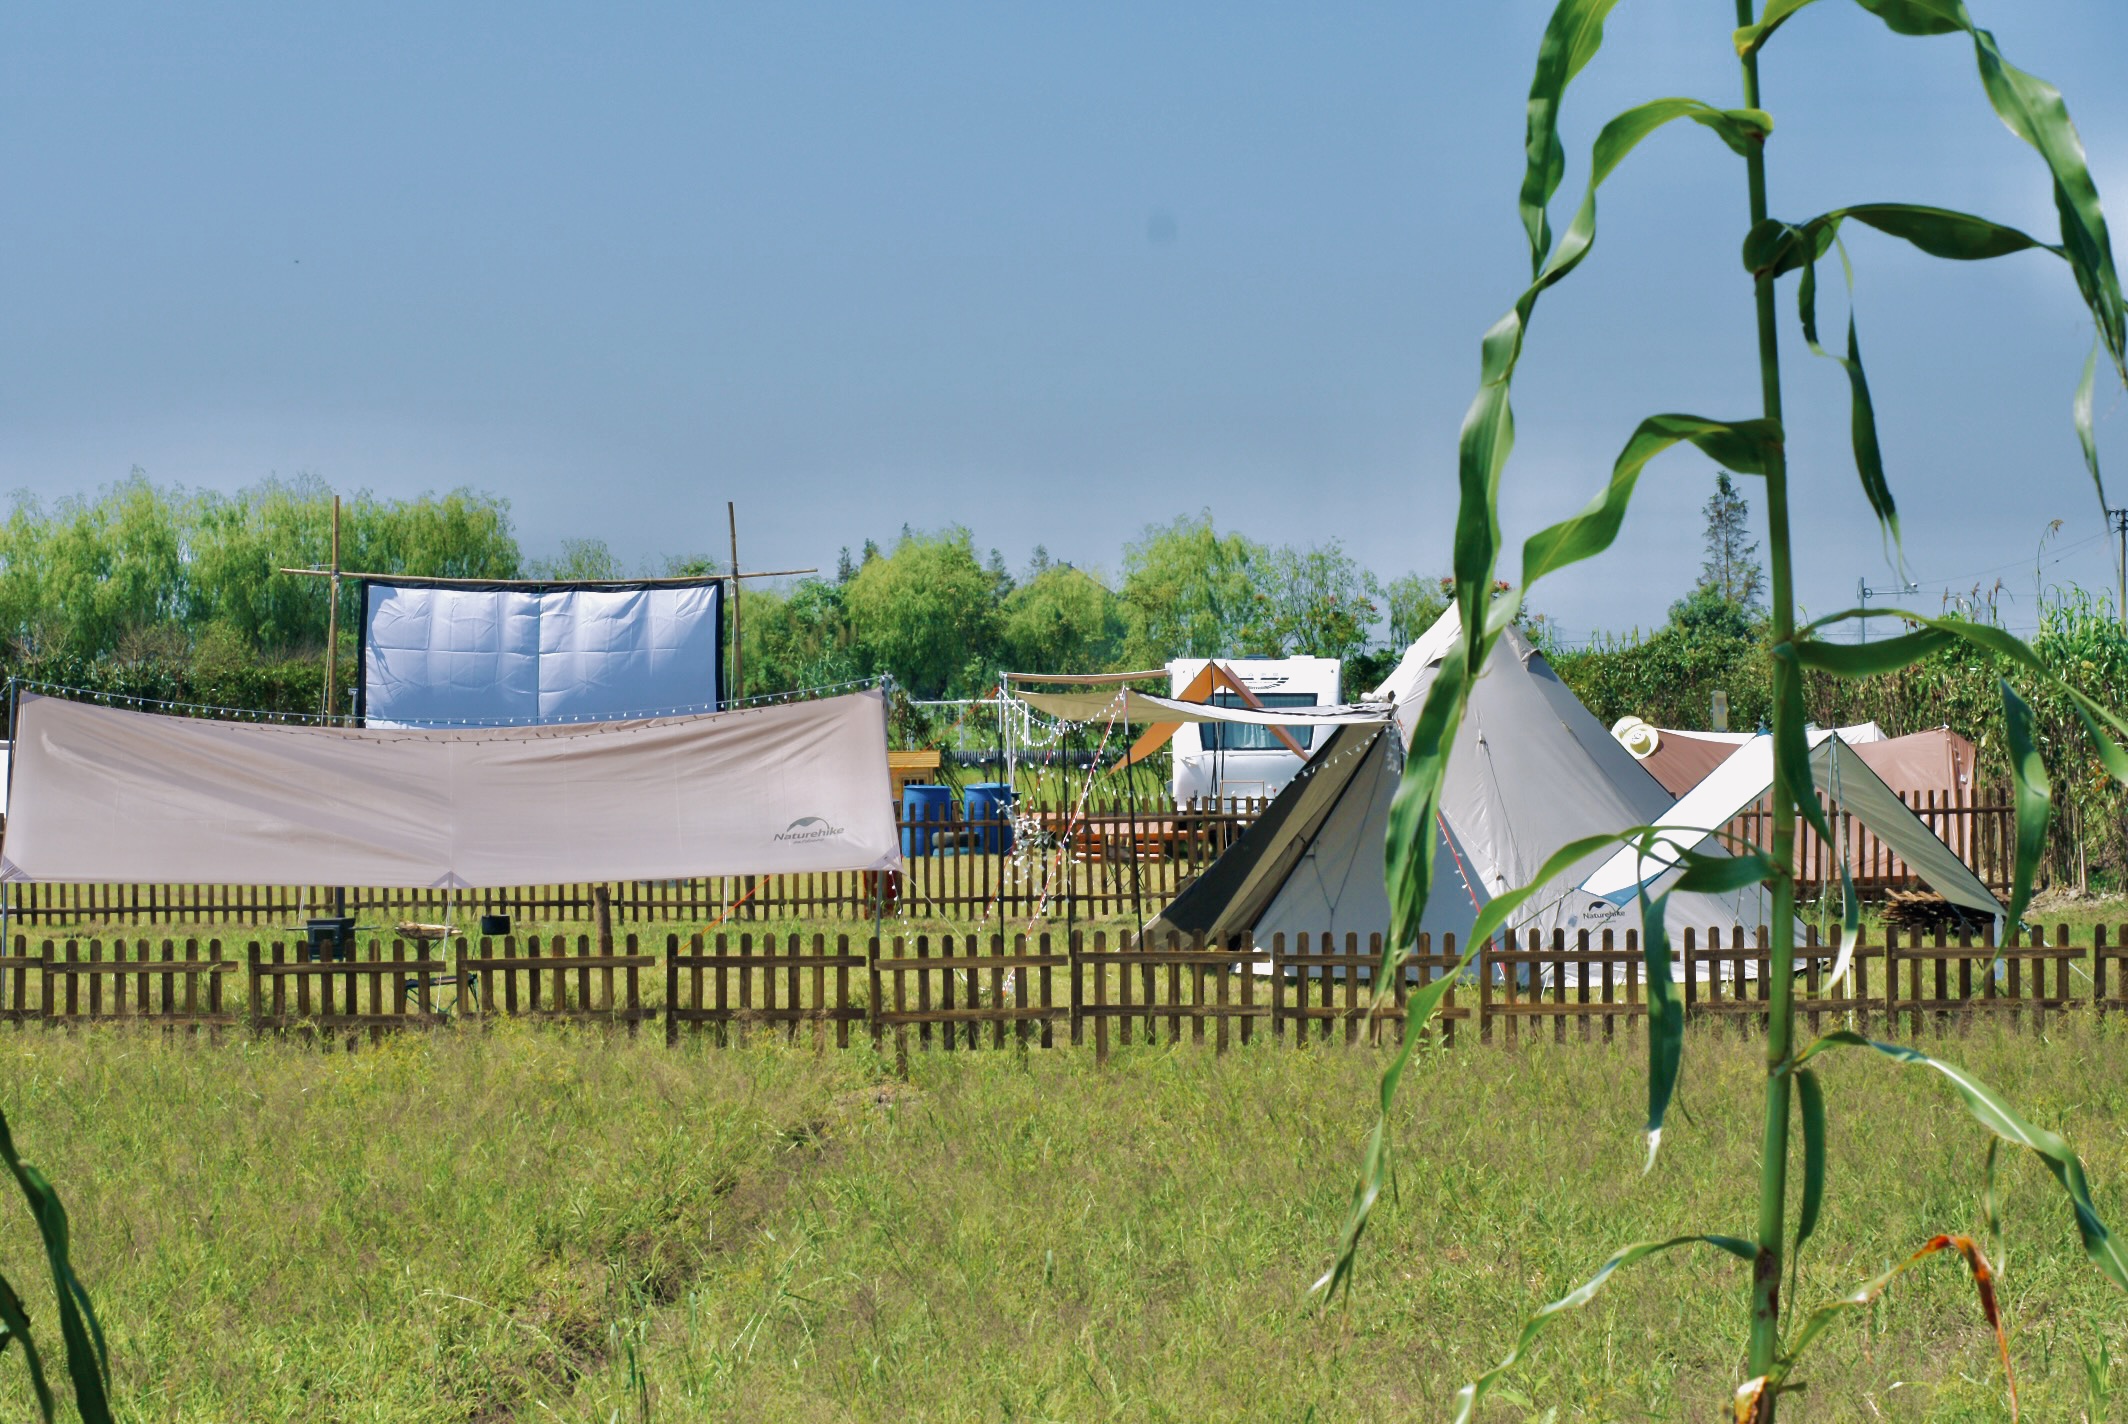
1215	760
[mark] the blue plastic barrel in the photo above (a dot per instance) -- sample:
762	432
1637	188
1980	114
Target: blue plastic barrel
988	807
923	805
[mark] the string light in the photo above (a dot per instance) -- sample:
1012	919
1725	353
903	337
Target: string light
211	711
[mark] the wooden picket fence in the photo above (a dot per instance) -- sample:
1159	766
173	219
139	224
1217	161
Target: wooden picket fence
969	992
1064	865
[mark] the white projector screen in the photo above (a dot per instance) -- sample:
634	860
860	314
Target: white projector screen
458	655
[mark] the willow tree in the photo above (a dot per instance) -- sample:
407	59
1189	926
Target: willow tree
1753	445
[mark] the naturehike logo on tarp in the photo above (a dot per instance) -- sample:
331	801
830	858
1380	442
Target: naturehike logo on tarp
807	829
1598	912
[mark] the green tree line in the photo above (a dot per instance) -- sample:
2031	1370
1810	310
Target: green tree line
156	591
941	619
153	591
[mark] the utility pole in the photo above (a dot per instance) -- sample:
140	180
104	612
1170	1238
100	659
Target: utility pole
738	646
2120	527
332	613
1864	593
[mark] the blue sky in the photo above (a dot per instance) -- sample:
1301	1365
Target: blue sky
1053	273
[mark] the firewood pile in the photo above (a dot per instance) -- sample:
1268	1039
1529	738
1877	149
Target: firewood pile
1919	910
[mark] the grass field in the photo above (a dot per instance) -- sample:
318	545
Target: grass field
540	1224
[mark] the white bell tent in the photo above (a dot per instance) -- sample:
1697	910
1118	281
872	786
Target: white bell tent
1532	769
1844	780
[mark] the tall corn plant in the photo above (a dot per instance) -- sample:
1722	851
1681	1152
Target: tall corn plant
87	1363
1752	445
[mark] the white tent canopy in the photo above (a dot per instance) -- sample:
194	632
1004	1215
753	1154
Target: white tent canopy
105	795
1532	770
1844	779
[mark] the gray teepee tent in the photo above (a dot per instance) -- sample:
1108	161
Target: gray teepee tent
1532	770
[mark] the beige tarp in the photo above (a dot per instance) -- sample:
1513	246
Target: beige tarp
101	794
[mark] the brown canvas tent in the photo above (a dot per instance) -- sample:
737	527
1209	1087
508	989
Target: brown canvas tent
1939	763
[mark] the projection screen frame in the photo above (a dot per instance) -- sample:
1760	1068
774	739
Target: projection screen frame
723	582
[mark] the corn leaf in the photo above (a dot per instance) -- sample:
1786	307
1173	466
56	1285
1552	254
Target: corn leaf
1570	41
2080	414
1990	1207
1718	874
1469	1397
1666	1019
1698	870
1872	659
1745	446
15	1325
1792	743
1752	38
1740	129
1414	814
88	1362
1774	248
1418	1009
1810	1103
1862	421
2032	109
1995	1114
1863	1295
2028	772
2034	797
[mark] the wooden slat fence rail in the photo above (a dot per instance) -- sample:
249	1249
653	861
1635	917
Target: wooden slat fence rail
142	983
966	992
548	980
377	992
971	983
729	987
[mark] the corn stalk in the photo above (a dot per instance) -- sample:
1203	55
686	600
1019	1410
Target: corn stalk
1748	445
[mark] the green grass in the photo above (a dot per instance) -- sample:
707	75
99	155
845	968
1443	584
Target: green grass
536	1224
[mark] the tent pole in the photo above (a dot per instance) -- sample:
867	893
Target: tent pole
1130	789
14	731
1071	871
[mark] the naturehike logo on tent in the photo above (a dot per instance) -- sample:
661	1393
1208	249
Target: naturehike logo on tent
807	829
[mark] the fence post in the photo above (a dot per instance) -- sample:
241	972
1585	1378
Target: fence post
257	983
2098	968
1075	967
872	1004
1278	987
1891	982
602	916
1485	991
672	990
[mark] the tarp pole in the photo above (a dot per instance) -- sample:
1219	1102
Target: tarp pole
7	887
1130	789
332	657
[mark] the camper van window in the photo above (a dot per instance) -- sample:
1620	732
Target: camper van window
1238	737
